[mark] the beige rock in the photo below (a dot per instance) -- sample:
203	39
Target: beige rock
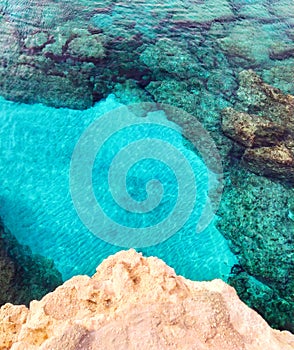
267	134
11	320
251	130
134	302
263	98
277	162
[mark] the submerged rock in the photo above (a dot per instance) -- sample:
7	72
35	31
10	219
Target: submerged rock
204	12
246	44
255	211
37	40
260	98
276	162
281	76
23	276
87	47
167	57
277	310
251	130
266	130
254	217
135	302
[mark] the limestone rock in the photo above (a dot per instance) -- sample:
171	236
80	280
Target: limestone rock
134	302
36	40
281	76
240	44
266	130
281	51
257	11
29	84
167	57
173	92
257	97
276	161
251	130
12	318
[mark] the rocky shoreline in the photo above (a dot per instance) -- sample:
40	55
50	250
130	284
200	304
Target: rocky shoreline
133	302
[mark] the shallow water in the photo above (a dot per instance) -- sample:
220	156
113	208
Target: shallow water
36	204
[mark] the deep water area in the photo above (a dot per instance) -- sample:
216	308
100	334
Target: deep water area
164	126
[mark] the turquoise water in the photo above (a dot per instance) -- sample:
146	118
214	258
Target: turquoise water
36	205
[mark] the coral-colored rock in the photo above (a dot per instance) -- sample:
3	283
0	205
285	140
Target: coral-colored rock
134	302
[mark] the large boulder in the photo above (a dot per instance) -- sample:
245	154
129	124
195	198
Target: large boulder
275	162
255	96
134	302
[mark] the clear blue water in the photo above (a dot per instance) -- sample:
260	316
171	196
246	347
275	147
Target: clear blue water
37	144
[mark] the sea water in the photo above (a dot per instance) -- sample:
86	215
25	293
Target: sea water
37	145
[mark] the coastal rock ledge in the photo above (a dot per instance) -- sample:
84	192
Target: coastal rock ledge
133	302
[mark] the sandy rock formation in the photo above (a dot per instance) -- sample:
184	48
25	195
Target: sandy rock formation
134	302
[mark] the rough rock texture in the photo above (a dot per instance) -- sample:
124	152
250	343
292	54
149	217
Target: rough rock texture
134	302
42	66
255	217
256	96
281	76
255	211
52	54
276	162
167	57
266	130
23	276
251	130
